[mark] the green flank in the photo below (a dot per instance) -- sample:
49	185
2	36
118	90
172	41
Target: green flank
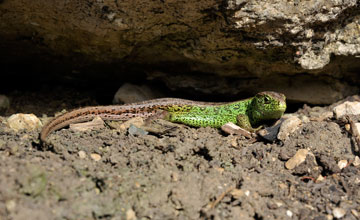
248	113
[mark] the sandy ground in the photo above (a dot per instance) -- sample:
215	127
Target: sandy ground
182	173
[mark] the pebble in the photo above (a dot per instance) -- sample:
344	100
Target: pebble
288	126
96	123
24	121
129	93
356	161
95	157
348	127
82	154
355	213
342	164
130	214
339	212
133	130
237	193
231	128
10	205
304	119
346	108
175	177
4	103
357	129
297	159
137	121
270	133
289	213
320	179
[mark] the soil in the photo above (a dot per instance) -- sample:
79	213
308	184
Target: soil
183	173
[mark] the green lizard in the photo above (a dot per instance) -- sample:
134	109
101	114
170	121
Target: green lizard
248	113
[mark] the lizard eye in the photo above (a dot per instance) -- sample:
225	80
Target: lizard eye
267	100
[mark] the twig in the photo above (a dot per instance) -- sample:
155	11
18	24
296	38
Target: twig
221	197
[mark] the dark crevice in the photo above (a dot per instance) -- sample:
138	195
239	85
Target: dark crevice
204	152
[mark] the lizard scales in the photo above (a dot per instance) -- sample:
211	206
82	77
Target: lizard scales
246	113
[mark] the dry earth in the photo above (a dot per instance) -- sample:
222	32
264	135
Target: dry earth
183	173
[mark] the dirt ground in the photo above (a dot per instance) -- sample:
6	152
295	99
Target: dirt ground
183	173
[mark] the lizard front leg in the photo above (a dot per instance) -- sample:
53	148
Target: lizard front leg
244	122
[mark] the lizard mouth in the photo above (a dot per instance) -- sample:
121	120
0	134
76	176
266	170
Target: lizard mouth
282	106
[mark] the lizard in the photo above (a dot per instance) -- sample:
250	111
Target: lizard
247	113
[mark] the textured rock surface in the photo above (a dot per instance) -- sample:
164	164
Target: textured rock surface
306	49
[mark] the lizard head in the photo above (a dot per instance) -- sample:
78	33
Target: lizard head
267	106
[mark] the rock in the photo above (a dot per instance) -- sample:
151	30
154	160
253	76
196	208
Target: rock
305	119
95	157
270	133
289	213
342	164
357	129
297	159
288	126
129	93
346	108
356	161
339	212
237	193
130	215
320	179
133	130
10	205
123	126
96	123
24	121
82	154
355	213
4	104
231	128
184	50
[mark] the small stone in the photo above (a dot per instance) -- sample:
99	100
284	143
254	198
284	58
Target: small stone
270	133
304	119
355	213
283	186
339	212
297	159
129	93
95	157
133	130
82	154
357	180
10	205
320	179
4	104
175	177
347	127
289	213
130	215
356	130
356	161
237	193
137	121
342	164
247	193
24	121
234	142
288	126
346	108
279	204
231	128
325	115
96	123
